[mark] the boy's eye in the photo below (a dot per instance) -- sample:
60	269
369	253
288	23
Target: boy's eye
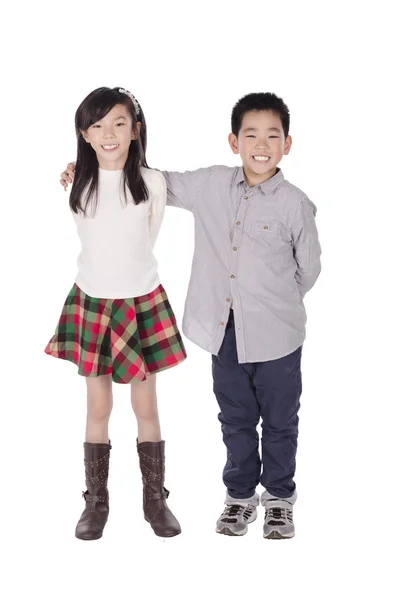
250	136
273	136
118	124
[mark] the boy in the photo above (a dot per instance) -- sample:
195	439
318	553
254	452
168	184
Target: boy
263	257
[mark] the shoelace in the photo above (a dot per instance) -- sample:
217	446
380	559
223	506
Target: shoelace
236	510
279	514
233	510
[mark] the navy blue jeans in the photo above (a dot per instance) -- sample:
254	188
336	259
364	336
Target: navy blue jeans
247	393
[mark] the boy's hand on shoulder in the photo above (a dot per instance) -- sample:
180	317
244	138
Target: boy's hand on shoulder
67	175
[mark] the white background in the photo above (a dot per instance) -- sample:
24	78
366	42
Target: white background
188	63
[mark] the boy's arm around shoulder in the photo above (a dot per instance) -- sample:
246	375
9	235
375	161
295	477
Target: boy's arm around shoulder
183	189
306	245
158	197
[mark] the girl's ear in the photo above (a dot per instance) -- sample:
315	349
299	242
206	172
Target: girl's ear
137	130
85	135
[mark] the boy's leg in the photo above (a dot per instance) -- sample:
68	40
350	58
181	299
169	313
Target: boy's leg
278	386
239	416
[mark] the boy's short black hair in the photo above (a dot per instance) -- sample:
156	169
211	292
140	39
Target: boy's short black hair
261	101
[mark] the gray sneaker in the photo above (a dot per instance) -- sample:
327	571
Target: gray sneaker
279	523
235	519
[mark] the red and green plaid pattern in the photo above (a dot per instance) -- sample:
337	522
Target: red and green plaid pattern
127	338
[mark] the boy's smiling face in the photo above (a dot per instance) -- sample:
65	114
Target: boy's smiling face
261	144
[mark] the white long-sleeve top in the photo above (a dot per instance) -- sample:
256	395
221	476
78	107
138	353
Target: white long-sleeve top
116	259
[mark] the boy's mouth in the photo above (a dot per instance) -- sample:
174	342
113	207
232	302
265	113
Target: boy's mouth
110	147
261	158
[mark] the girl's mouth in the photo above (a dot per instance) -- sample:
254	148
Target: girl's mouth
110	147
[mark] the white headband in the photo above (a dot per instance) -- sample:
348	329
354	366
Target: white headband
135	101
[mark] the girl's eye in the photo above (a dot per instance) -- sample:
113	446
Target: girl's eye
250	136
95	126
118	124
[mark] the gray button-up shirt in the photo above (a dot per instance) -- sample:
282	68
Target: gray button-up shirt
256	249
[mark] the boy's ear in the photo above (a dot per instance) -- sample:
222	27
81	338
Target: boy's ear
233	143
287	144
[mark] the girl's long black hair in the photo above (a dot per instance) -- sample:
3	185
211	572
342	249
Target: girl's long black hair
94	108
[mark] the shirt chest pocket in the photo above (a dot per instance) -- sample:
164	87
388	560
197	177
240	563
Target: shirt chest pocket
265	237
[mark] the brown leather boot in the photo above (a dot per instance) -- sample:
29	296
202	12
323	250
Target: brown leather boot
95	514
155	509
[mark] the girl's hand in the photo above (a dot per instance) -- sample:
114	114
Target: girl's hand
68	175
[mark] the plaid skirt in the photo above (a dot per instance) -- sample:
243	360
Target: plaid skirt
127	338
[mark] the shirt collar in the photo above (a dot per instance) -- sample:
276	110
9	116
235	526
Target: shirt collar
266	186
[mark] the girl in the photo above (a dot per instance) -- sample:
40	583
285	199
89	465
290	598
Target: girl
117	323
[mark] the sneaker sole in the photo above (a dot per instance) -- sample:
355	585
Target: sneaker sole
276	535
227	531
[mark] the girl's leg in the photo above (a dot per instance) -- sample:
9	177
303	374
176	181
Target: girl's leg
144	404
99	408
96	458
151	459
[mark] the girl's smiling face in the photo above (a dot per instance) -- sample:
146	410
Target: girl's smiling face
111	137
261	144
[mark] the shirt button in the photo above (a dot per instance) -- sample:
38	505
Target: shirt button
227	299
222	323
245	197
234	248
238	223
232	276
265	227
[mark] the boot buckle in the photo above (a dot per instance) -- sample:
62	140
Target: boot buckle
159	495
